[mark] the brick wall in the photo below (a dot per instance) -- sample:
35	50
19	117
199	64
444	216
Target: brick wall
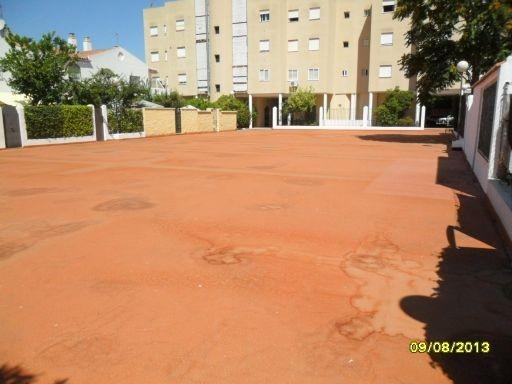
227	121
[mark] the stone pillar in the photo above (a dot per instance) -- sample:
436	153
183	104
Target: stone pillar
250	111
423	116
417	116
365	116
274	117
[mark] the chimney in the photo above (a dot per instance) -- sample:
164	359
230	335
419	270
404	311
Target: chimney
72	39
87	44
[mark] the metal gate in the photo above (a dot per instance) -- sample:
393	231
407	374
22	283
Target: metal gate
177	114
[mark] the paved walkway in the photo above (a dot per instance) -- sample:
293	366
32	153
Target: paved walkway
249	257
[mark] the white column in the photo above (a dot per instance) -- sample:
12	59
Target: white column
365	116
418	113
23	125
280	112
250	111
325	106
2	130
370	108
423	116
274	117
353	104
321	116
104	114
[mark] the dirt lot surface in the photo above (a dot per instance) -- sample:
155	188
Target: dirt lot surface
249	257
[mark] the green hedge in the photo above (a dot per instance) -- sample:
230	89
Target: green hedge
56	121
129	121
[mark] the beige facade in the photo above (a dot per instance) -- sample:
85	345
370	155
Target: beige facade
347	51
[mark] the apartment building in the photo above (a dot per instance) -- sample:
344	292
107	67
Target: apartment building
347	51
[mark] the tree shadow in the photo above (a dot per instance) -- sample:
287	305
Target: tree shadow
473	300
435	138
18	375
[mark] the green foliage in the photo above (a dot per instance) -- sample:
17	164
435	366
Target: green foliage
56	121
392	112
169	100
302	100
406	122
125	121
446	32
301	105
199	102
231	103
105	88
38	68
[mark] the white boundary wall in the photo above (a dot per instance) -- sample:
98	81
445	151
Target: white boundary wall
26	142
353	125
485	169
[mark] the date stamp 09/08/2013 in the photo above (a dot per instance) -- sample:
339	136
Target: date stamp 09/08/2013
459	347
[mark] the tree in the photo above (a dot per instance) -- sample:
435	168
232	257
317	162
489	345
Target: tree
38	69
393	111
169	100
231	103
300	104
444	32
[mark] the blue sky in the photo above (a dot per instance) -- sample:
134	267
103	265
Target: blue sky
99	19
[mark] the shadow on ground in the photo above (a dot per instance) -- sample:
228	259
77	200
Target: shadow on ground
473	300
408	138
18	375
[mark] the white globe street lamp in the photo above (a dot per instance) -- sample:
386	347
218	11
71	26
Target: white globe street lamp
462	68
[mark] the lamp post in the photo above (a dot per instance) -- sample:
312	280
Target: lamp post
462	68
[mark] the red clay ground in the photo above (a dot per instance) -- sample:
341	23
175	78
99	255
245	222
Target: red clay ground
249	257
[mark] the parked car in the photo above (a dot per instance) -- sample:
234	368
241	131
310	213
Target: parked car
445	121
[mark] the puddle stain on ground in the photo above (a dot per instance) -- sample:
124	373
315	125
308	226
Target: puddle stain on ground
35	232
232	255
123	204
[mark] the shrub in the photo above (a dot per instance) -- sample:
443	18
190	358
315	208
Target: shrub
57	121
169	100
301	105
406	122
126	121
231	103
199	102
394	108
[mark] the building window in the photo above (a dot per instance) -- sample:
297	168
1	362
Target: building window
487	121
388	6
313	74
386	38
217	58
153	31
347	15
155	82
314	13
385	71
217	29
293	45
314	44
293	15
264	15
217	87
345	44
344	73
264	75
182	78
134	79
364	72
181	52
180	25
293	75
366	42
264	45
155	56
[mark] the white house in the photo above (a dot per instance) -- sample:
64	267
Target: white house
117	59
7	96
487	141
